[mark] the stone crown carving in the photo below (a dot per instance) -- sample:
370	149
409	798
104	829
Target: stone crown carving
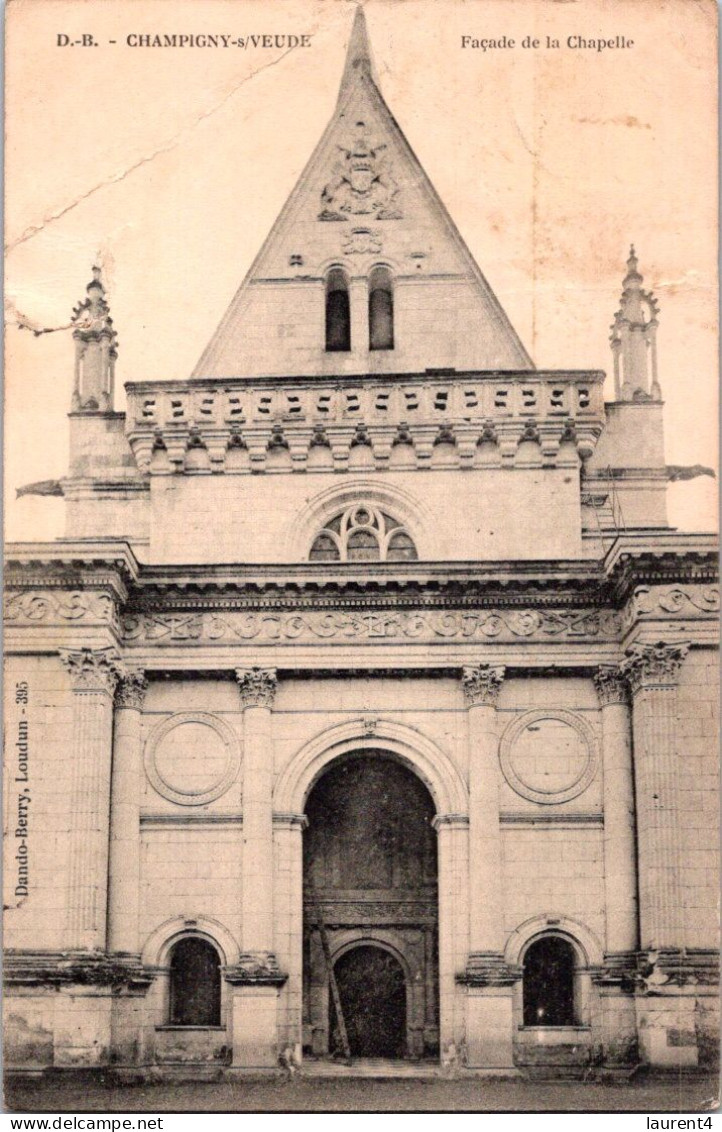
131	689
611	685
654	666
257	686
482	684
93	670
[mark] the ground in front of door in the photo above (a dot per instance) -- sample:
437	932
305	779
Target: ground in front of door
651	1095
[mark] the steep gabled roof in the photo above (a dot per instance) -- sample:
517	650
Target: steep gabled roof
376	180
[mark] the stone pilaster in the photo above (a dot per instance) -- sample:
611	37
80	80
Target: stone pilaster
94	674
257	977
486	929
619	825
652	671
288	922
489	986
453	838
124	864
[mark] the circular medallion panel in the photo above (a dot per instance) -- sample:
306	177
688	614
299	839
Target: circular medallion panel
192	758
548	756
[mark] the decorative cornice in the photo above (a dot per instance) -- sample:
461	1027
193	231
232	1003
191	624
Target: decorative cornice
611	685
660	558
54	968
93	670
256	968
659	972
257	686
653	666
482	684
488	969
131	689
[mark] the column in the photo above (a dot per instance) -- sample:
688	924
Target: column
666	1014
615	981
359	305
257	977
652	671
489	985
94	675
124	866
620	877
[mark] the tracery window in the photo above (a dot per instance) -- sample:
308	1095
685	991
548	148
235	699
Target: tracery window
363	534
195	983
549	983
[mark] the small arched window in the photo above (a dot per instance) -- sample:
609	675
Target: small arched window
195	984
381	310
549	983
338	311
363	534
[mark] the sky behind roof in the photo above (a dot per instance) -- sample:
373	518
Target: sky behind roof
169	165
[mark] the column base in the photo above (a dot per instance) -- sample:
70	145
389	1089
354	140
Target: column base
255	1030
676	1004
489	1027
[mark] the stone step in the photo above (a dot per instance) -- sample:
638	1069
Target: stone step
376	1067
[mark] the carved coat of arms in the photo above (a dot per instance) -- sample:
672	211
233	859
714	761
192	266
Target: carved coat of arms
362	184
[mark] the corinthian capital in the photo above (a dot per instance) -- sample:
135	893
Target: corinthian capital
482	684
93	670
257	686
653	666
131	689
611	685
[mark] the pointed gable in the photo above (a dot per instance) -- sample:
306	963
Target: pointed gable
363	202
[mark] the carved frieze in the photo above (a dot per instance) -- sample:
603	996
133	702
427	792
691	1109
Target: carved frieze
654	666
421	625
338	913
36	606
482	684
93	670
689	601
257	686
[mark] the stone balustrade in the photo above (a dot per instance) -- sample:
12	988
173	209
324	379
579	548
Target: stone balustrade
412	421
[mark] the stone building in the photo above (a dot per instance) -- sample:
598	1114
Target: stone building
368	667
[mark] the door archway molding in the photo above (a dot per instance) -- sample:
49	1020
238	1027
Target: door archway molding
411	747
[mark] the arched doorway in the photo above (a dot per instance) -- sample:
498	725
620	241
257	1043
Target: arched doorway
372	988
370	882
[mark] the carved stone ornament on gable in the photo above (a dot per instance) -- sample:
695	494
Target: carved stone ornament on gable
362	183
361	241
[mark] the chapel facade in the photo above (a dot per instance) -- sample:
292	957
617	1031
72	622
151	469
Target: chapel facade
367	706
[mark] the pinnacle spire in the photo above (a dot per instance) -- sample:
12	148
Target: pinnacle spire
633	339
358	54
96	348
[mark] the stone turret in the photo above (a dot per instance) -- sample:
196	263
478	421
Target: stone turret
634	340
96	349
